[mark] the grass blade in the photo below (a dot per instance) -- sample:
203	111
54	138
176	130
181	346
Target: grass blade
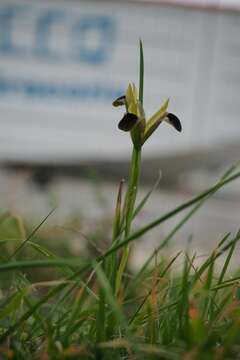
32	234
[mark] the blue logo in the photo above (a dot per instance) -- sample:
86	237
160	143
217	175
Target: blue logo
90	38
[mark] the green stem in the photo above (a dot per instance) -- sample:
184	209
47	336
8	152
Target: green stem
132	188
133	179
130	204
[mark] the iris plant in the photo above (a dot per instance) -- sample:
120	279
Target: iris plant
140	128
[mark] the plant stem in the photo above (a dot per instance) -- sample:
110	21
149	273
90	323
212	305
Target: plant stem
132	188
130	203
133	181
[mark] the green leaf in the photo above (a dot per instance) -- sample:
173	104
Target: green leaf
141	73
13	304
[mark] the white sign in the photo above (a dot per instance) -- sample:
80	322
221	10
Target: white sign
222	4
63	63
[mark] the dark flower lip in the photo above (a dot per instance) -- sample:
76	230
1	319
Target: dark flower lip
121	100
174	121
128	122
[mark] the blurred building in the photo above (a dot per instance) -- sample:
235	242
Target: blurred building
63	62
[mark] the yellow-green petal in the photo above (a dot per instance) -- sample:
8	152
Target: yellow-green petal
131	99
155	120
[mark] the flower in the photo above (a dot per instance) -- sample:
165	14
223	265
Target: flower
134	118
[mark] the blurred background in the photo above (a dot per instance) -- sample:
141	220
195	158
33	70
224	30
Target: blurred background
62	63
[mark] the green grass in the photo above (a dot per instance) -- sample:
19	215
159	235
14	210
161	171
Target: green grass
54	305
79	312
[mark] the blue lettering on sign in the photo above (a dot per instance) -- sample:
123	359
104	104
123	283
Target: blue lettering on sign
8	16
43	32
90	38
101	28
51	90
